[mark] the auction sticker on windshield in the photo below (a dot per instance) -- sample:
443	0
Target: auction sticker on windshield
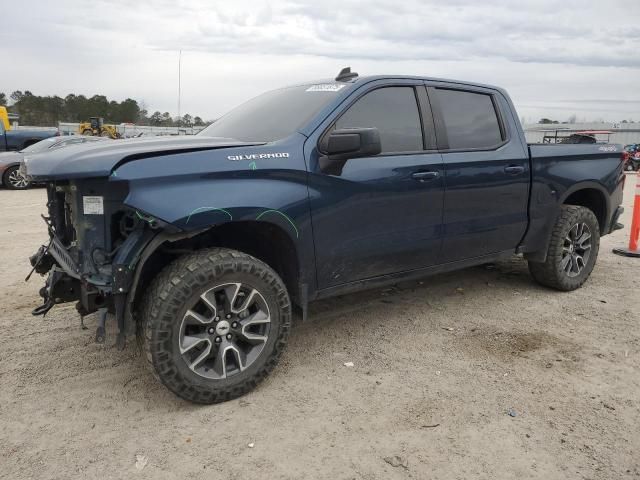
325	87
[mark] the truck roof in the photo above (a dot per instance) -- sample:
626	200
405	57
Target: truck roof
369	78
430	79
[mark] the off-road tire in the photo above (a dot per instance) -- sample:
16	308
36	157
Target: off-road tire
550	272
171	294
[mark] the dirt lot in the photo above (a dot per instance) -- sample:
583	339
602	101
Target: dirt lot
438	367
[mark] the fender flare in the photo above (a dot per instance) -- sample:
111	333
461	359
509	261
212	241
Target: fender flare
146	251
541	255
590	185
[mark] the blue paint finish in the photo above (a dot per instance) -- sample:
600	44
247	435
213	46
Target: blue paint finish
283	215
485	207
207	210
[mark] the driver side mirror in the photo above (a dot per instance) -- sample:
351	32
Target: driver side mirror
351	143
340	145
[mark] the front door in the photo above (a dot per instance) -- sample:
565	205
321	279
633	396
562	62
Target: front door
380	214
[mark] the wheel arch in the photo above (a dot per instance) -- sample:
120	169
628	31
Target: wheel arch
5	169
264	240
593	196
4	175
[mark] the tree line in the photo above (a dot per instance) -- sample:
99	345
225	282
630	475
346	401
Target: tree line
47	111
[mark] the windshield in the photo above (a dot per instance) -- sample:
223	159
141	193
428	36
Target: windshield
273	115
40	146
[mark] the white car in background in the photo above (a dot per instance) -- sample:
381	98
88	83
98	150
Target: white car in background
10	175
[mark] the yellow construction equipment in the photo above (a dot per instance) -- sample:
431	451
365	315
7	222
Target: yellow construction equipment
4	118
95	126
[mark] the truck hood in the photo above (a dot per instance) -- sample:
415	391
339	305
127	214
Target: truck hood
97	159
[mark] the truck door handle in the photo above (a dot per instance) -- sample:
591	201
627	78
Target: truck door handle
425	176
514	169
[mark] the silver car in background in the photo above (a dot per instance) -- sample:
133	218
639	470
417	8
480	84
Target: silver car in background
10	175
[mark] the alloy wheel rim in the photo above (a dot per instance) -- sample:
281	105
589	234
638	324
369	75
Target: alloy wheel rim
17	180
576	249
224	331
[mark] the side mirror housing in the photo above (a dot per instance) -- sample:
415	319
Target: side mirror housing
351	143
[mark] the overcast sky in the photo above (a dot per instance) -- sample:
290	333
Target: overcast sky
557	58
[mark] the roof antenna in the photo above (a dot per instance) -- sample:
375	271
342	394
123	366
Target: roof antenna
345	75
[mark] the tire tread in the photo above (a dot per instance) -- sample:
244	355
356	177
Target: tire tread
546	273
185	274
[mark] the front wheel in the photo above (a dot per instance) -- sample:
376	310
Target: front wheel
14	180
215	323
572	252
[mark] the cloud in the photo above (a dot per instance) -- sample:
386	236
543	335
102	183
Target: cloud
541	32
541	50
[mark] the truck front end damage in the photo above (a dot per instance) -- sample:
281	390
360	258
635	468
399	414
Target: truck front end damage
95	242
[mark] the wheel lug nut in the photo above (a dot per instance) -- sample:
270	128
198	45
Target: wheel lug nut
211	330
228	315
228	336
234	325
217	319
218	339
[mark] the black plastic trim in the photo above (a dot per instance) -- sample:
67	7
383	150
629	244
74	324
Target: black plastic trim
426	117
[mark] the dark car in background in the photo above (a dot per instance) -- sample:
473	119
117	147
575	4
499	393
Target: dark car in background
10	175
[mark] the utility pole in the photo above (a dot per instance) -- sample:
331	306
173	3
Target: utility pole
179	85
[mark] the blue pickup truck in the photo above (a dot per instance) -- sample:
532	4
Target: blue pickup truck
15	140
207	245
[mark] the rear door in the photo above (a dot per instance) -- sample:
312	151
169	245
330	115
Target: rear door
486	171
381	214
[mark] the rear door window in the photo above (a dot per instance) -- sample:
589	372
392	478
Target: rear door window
470	119
394	112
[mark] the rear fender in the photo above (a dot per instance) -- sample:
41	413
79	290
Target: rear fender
544	216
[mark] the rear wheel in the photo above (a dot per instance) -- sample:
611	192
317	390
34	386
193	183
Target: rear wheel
215	323
572	252
14	180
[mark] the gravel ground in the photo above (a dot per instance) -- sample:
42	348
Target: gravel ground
474	374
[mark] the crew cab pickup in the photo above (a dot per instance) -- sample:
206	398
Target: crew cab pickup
207	244
14	140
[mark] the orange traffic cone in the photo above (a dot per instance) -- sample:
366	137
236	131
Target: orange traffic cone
633	250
